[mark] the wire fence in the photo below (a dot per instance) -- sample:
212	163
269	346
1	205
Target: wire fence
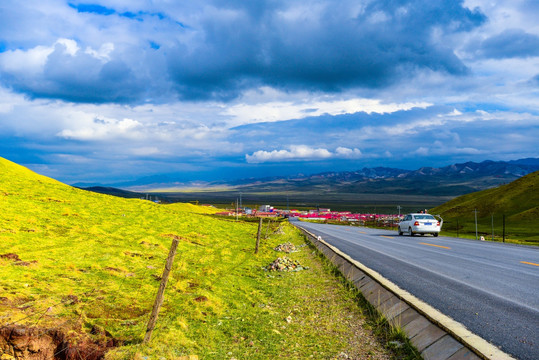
41	308
29	325
496	227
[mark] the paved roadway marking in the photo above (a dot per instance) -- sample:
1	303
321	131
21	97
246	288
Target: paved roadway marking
440	246
362	232
389	237
529	263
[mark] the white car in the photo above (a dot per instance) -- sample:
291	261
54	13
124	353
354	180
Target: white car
419	224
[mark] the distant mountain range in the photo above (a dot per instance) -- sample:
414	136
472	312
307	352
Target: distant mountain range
452	180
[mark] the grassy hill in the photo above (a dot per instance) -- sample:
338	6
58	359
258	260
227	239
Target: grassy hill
88	266
518	201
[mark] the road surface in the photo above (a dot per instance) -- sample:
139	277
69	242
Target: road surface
491	288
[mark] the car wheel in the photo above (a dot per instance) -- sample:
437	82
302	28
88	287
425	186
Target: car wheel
435	234
400	232
410	231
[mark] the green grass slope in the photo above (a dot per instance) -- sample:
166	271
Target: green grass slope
518	201
79	261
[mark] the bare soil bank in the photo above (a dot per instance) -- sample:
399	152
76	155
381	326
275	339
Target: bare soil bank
33	343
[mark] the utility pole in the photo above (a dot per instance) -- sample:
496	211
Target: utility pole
492	218
236	209
475	213
503	239
399	207
241	204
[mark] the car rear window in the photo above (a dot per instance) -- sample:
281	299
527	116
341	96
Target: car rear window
424	217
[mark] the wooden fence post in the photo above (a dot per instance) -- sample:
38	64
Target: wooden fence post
258	235
161	291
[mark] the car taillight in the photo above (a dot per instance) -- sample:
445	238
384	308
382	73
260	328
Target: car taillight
416	223
438	223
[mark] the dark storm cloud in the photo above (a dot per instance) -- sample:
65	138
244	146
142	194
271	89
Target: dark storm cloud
322	49
229	46
512	43
81	78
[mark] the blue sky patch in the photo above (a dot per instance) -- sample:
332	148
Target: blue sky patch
92	8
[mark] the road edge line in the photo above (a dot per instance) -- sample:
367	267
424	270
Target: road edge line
458	331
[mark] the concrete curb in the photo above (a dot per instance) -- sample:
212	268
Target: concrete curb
435	335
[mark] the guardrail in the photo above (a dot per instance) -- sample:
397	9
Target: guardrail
435	335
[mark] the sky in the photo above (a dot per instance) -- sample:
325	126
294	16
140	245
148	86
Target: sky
113	91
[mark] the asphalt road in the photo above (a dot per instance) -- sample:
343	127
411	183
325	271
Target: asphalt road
491	288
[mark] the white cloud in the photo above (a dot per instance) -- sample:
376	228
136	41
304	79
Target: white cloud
296	152
301	152
348	153
423	151
256	106
71	46
440	148
103	53
103	129
31	61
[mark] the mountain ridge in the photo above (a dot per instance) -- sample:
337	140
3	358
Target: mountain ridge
455	179
451	180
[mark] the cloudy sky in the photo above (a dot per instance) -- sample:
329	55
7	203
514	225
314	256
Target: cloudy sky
109	91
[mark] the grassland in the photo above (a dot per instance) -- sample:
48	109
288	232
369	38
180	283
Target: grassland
80	261
518	201
354	202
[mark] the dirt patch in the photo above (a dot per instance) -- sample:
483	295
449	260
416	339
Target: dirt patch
25	263
71	299
110	268
11	256
135	254
17	260
24	343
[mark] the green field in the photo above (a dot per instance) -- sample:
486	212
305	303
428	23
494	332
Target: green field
89	265
518	201
354	202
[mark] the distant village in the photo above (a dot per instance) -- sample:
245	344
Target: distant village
319	214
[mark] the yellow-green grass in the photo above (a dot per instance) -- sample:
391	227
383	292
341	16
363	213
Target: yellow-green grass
518	201
95	260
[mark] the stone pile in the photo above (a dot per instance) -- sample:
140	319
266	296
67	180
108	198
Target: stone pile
286	247
285	264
